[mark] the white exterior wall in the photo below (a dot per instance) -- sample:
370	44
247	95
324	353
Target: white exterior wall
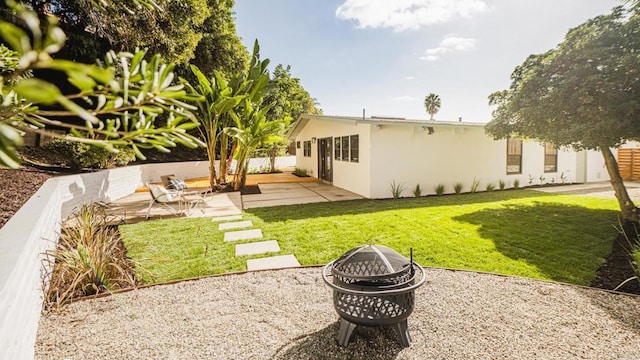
596	169
347	175
409	155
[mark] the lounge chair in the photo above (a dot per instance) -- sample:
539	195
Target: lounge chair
168	198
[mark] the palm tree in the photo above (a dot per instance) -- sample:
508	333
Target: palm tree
432	104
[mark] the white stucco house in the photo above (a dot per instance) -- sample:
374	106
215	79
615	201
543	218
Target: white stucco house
365	155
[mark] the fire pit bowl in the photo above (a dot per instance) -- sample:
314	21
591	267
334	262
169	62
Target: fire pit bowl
373	286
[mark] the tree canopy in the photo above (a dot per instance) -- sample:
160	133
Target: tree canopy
290	99
116	103
220	47
584	93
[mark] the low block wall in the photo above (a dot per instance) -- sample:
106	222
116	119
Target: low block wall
35	228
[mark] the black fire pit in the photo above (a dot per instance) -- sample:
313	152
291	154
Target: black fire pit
373	286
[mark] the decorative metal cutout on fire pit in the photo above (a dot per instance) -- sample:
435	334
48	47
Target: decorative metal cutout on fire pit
373	286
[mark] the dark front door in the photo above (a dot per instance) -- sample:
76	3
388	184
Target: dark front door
325	153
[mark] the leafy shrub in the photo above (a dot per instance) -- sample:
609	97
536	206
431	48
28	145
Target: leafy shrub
474	185
81	155
530	180
300	172
516	183
439	189
89	259
541	178
490	187
417	192
457	187
501	184
396	189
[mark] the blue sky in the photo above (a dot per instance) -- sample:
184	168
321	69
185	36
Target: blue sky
386	55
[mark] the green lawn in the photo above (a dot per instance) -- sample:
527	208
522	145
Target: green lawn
525	233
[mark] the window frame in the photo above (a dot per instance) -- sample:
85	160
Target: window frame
345	148
354	149
510	157
550	155
307	148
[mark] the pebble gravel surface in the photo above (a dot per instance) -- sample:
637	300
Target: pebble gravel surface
288	314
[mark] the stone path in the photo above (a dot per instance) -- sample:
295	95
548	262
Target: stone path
231	224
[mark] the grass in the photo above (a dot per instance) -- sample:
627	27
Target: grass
524	233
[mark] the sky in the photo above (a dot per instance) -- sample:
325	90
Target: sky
385	56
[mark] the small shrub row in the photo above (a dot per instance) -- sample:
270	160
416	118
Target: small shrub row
300	172
439	189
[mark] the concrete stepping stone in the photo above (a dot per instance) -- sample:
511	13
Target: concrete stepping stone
243	235
257	248
235	225
226	218
273	262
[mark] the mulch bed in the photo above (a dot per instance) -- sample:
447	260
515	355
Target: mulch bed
617	269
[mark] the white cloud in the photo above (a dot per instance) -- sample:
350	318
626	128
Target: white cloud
404	99
409	77
401	15
450	43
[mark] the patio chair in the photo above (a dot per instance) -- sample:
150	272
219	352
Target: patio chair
168	198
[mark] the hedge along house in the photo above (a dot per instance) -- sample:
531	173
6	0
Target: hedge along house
367	155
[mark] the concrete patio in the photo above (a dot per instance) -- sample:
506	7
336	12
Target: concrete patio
276	190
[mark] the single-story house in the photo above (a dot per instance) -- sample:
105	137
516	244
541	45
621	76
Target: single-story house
367	155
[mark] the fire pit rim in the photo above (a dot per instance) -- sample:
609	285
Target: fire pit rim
373	291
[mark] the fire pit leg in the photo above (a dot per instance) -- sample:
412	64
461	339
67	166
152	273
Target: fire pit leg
346	328
402	329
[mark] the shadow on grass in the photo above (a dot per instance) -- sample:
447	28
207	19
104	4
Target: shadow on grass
565	243
352	207
365	343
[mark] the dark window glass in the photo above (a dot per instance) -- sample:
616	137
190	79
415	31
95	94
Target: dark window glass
514	156
345	148
307	148
297	144
336	148
550	158
355	144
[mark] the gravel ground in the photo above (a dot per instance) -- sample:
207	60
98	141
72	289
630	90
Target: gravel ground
288	314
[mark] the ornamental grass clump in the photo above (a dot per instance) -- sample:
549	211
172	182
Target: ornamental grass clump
457	187
474	185
501	184
439	189
396	189
417	191
89	260
516	183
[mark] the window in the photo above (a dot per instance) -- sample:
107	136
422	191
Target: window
307	148
297	144
354	148
550	158
345	148
336	148
514	156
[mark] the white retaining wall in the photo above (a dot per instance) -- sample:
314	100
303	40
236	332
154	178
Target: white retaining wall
35	228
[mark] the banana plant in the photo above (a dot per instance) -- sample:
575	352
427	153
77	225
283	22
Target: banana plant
117	102
252	130
253	84
216	100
